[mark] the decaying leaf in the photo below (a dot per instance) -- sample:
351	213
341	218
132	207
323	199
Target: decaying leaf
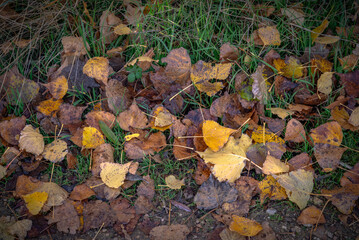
325	83
274	165
328	133
282	113
31	140
162	118
102	153
56	194
55	151
228	53
271	189
298	186
35	201
354	117
202	72
259	87
290	67
97	68
132	117
328	156
295	15
92	137
343	198
214	135
318	30
173	183
10	129
165	232
351	83
269	35
49	107
230	160
118	96
245	226
261	135
65	217
58	87
311	215
74	46
122	29
114	174
295	132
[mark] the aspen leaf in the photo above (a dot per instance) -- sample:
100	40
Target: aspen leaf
92	138
49	107
269	35
289	68
215	135
271	189
141	59
320	64
245	226
56	194
258	135
2	171
31	140
122	29
132	117
20	90
282	113
327	39
318	30
274	165
328	156
259	87
350	61
295	132
228	161
354	117
114	174
202	72
173	183
55	151
74	46
131	136
97	68
35	201
311	215
298	186
325	83
340	115
58	87
330	133
162	119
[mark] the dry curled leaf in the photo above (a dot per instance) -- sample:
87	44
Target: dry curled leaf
55	151
31	140
245	226
58	87
173	183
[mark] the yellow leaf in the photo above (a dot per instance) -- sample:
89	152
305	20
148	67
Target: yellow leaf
322	65
162	119
257	136
58	88
98	68
92	138
141	59
114	174
325	83
49	107
35	201
31	140
271	189
56	194
289	68
215	135
269	35
273	165
298	186
318	30
245	226
202	72
282	113
229	161
327	39
55	151
330	133
173	183
131	136
122	29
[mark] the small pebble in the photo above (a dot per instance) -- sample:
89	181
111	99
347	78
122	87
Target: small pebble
271	211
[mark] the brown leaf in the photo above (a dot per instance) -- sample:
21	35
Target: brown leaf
354	117
351	83
202	172
74	46
97	214
351	177
138	148
81	192
108	21
146	188
181	151
102	191
266	234
166	232
10	129
118	96
328	156
133	117
282	85
200	115
143	205
228	53
93	117
259	87
26	185
302	160
70	114
269	35
295	132
65	217
344	198
311	215
122	210
103	153
328	133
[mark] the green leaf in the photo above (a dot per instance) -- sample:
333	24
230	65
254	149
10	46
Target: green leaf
131	77
138	73
108	133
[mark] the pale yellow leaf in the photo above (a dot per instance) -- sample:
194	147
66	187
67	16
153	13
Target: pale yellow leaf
325	83
114	174
173	183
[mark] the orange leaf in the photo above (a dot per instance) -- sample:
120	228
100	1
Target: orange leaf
98	68
49	107
215	136
245	226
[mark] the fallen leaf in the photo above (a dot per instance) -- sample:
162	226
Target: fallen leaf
58	87
282	113
2	172
55	151
354	117
70	114
108	21
294	15
93	118
97	214
302	160
10	129
31	140
20	228
114	174
56	194
230	160
133	117
245	226
173	183
327	39
325	83
311	215
318	30
228	53
351	83
118	96
214	135
328	133
97	68
274	165
320	64
351	177
139	148
266	234
35	201
315	52
328	156
81	192
123	210
74	46
162	118
261	135
143	205
122	29
290	67
271	189
181	151
227	234
259	87
269	35
131	136
26	185
343	198
213	194
146	188
202	172
295	132
49	107
202	72
92	138
166	232
298	186
65	217
349	62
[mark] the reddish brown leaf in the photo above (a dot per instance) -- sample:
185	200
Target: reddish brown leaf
10	129
81	192
311	215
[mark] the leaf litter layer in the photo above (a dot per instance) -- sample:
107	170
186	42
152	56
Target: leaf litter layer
182	132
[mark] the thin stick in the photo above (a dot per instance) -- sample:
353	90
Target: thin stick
98	231
205	215
169	214
8	165
97	185
174	145
52	171
321	213
348	170
190	137
90	160
180	92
